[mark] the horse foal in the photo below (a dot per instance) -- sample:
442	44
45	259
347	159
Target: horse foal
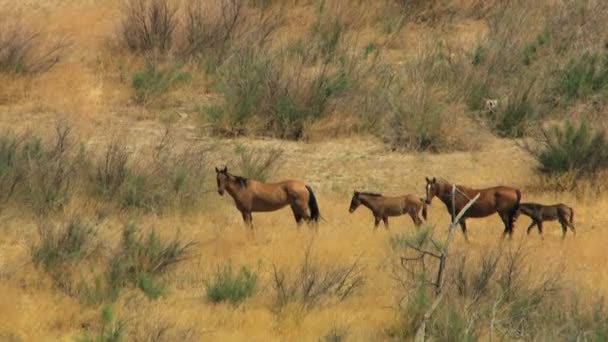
382	206
540	212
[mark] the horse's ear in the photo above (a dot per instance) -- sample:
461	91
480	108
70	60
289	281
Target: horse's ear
427	179
225	169
217	170
434	180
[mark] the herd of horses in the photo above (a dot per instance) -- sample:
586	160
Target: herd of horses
254	196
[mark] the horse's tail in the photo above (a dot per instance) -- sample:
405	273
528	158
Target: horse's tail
424	206
313	205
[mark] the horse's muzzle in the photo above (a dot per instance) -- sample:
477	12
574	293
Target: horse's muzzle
351	210
221	192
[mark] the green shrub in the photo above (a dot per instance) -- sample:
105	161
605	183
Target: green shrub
582	77
230	286
258	164
61	250
139	260
573	147
154	81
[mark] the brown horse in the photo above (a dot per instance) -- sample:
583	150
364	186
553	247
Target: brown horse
503	200
382	206
253	196
542	212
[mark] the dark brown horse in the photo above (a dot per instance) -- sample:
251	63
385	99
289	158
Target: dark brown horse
253	196
383	206
503	200
542	212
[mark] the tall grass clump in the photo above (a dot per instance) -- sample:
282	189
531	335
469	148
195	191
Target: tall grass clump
257	164
312	284
62	249
575	148
11	172
228	285
141	258
111	330
149	25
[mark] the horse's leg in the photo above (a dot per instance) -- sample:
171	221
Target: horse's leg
297	213
530	227
463	227
248	219
564	228
505	221
376	222
385	219
539	224
415	218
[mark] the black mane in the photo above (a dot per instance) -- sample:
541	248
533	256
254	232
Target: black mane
242	181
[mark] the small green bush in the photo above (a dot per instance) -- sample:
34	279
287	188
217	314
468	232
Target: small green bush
582	77
230	286
577	148
154	81
62	249
139	260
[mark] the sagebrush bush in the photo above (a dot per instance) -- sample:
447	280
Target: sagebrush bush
154	81
149	25
61	249
140	259
228	285
25	50
573	147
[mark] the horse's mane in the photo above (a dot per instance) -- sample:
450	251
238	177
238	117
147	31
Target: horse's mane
374	194
241	181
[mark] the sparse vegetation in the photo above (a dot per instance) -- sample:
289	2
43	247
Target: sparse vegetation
311	283
149	25
228	285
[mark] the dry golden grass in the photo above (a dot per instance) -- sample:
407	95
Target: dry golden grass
32	309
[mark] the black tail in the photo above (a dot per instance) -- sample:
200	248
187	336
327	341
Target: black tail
424	206
312	204
513	210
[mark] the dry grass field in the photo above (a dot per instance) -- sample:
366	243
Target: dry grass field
90	89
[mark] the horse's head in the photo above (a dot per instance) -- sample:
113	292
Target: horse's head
355	202
432	189
221	177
